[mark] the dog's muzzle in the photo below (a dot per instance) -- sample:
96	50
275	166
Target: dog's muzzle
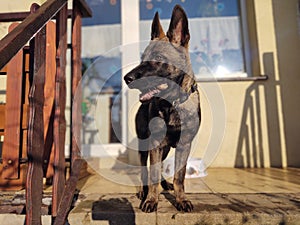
129	78
145	85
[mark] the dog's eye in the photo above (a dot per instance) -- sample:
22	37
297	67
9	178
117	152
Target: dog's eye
158	58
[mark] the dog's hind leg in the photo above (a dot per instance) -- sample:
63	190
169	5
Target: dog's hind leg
166	185
181	157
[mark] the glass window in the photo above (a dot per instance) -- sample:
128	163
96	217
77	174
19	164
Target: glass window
101	67
216	44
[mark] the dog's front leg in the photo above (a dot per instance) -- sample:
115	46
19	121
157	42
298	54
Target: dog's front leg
181	156
150	203
142	194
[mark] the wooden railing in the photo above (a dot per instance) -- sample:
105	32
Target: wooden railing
33	29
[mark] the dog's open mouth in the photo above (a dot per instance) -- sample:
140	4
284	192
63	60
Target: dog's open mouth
147	94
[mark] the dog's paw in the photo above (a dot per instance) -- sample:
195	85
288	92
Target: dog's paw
149	205
184	205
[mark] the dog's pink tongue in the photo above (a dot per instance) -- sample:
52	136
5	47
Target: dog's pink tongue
149	95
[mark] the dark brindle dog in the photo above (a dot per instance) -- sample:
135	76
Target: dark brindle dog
168	92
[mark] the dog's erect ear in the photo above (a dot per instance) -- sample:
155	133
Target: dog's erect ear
178	32
156	29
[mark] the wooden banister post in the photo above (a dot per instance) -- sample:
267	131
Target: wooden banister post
35	149
12	132
75	80
60	104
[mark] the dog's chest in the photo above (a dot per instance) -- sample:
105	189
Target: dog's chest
187	113
189	107
176	115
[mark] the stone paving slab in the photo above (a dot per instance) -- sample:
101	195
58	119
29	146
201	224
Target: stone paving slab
15	203
15	219
123	209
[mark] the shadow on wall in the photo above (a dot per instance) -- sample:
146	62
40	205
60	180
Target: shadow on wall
287	36
271	112
251	138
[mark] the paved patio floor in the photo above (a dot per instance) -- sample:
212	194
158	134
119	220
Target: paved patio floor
224	196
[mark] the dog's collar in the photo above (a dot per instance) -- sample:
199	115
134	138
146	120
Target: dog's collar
193	88
185	96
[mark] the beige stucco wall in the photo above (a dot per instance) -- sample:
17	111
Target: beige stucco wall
262	117
14	6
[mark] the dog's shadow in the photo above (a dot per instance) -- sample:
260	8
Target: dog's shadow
114	210
171	198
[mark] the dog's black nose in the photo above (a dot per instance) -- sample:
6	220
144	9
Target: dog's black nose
129	78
